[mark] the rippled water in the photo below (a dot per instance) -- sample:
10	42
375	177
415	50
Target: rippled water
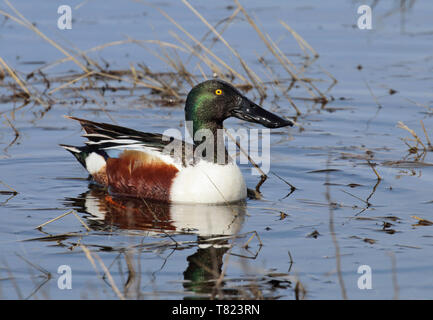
165	252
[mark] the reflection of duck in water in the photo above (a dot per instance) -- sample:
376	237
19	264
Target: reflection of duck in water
153	166
139	214
207	221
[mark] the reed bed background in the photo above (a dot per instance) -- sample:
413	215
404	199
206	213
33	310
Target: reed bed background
189	60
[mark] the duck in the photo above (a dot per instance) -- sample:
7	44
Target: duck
153	166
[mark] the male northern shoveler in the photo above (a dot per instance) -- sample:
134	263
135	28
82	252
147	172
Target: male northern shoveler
136	164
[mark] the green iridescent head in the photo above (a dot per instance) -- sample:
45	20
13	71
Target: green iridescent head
211	102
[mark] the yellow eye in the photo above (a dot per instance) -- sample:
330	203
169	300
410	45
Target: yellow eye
218	92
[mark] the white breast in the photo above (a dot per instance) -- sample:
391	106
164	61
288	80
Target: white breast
208	182
94	163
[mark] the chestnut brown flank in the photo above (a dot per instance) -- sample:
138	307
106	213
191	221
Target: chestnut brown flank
139	174
101	176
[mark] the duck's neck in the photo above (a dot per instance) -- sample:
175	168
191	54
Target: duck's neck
209	142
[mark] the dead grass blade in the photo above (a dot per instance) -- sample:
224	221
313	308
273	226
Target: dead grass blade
401	125
67	84
423	222
374	170
258	83
426	136
16	132
202	46
271	48
13	191
334	236
15	77
64	215
91	257
30	26
301	41
52	220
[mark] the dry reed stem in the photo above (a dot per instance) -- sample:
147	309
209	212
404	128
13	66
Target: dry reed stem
17	133
292	187
423	221
15	77
212	66
30	26
251	74
37	267
394	275
89	256
13	280
178	66
110	44
61	216
372	94
255	234
426	136
219	60
244	152
298	112
284	58
334	238
429	109
226	21
81	221
374	170
270	46
334	80
9	187
146	85
356	197
2	74
202	72
280	88
54	219
219	281
21	83
301	41
67	84
401	125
